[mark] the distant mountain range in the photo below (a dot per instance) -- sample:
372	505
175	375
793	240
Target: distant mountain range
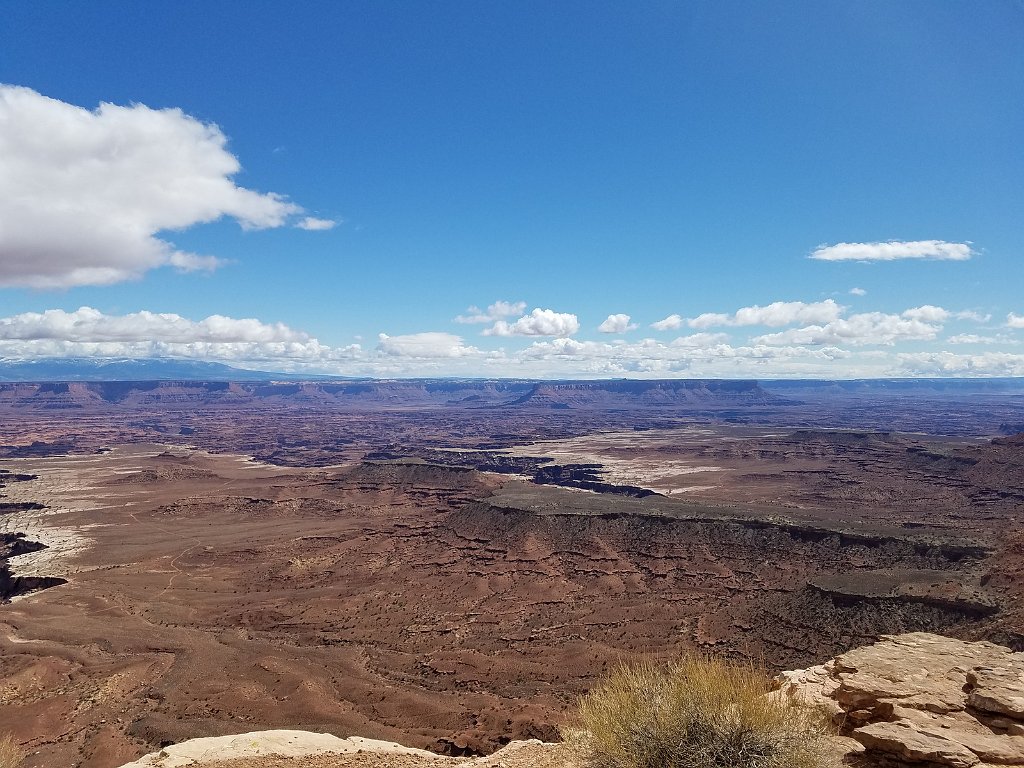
151	369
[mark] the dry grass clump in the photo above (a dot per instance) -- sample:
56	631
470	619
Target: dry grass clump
699	712
11	754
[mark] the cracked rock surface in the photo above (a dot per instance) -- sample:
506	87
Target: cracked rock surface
922	700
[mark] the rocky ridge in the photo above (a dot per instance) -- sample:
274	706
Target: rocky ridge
473	394
922	700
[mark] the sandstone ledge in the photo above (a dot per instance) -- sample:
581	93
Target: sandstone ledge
262	743
922	700
304	749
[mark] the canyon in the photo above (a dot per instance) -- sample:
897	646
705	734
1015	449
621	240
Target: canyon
448	565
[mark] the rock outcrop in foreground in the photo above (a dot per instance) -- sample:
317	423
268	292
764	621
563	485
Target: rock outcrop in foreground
922	700
916	700
263	743
303	749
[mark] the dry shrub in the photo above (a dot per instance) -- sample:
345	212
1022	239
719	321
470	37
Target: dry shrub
699	712
11	754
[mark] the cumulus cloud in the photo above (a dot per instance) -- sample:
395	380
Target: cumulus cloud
670	323
499	310
90	325
970	314
973	338
425	345
893	250
956	364
313	224
617	324
841	348
87	332
776	314
1014	321
700	340
84	194
916	324
928	314
858	292
649	357
540	322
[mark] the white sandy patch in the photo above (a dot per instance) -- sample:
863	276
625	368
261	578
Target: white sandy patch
641	469
691	489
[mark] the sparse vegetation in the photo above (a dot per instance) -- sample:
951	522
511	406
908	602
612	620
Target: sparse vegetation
11	754
698	712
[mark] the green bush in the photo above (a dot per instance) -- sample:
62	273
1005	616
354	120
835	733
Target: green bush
698	712
11	754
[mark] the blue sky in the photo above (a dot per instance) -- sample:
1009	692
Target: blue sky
586	159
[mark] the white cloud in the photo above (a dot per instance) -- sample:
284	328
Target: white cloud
617	324
698	340
776	314
938	250
709	320
670	323
969	314
85	194
540	322
916	324
838	349
649	357
1014	321
955	364
425	345
313	224
87	332
281	355
247	342
90	325
927	313
973	338
858	292
499	310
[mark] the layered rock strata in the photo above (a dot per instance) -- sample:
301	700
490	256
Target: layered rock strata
922	700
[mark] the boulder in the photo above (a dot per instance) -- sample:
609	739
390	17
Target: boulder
922	700
304	748
264	743
998	689
902	740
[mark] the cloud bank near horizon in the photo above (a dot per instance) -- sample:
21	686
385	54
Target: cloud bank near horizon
863	344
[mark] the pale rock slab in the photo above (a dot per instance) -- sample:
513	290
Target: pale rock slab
903	740
923	700
262	743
